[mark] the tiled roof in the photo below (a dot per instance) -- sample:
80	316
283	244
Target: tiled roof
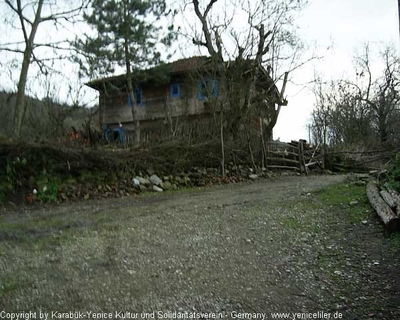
188	64
178	66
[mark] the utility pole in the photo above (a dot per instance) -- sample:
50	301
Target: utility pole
398	3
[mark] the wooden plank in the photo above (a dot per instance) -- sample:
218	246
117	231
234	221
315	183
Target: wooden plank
284	153
283	167
318	156
310	151
283	160
311	164
281	144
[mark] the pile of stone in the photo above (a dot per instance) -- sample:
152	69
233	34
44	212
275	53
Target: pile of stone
114	187
197	177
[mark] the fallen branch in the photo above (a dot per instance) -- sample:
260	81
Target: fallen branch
390	220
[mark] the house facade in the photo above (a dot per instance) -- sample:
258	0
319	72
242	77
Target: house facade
171	101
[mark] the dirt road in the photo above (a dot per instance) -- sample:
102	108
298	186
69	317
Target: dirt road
236	250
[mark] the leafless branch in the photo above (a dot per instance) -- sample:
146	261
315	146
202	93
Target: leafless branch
11	50
18	10
65	15
206	31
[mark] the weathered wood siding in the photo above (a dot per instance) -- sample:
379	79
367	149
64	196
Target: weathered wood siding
157	104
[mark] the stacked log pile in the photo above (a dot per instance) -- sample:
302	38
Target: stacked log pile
386	203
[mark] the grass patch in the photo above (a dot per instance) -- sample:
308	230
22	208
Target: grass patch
394	239
340	196
292	223
7	285
34	237
40	232
48	231
330	261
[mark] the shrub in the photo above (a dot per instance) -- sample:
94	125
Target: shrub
48	192
394	173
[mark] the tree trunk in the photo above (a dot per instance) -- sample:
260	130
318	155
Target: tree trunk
222	143
388	199
250	148
20	100
395	197
390	220
268	132
136	123
382	129
135	120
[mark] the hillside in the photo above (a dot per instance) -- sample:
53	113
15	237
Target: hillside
43	119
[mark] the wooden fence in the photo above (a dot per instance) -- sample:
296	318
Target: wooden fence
295	155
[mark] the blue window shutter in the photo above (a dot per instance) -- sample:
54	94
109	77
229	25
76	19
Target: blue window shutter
175	90
200	90
138	93
210	86
216	88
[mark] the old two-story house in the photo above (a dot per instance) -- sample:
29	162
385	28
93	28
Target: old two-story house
172	100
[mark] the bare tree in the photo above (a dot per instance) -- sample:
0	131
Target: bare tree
30	15
362	110
321	114
262	46
379	93
248	61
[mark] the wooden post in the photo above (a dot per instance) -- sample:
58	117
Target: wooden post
303	161
398	4
264	160
300	158
222	144
323	156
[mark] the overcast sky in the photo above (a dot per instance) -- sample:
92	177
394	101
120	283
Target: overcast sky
348	25
343	26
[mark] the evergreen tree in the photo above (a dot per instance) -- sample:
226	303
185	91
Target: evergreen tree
128	32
